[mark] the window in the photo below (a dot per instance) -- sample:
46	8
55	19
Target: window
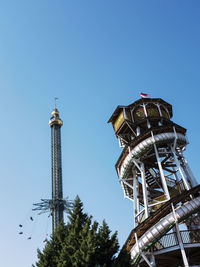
119	121
164	112
128	115
138	114
152	110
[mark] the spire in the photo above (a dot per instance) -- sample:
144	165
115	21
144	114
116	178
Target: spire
55	119
55	98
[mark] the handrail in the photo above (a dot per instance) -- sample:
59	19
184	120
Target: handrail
159	229
191	236
171	240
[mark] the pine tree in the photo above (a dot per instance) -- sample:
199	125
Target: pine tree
107	246
80	243
79	246
50	255
123	259
88	243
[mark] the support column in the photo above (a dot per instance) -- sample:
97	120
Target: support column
180	170
184	257
164	183
135	197
152	258
188	171
142	253
144	189
140	167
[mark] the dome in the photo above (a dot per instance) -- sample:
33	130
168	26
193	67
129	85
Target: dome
55	113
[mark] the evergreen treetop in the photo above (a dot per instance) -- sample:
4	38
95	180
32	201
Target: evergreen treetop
81	243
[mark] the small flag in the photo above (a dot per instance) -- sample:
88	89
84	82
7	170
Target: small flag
144	95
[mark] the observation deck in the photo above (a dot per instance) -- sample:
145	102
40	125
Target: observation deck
155	175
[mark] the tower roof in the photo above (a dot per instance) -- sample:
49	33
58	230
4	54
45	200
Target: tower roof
139	102
55	113
55	119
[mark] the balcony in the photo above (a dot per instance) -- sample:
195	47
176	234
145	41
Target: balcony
189	237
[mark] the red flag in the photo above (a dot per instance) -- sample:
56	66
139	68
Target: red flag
144	95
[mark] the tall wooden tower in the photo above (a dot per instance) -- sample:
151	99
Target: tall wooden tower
155	175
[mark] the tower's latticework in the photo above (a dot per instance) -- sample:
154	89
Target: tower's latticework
57	205
155	175
56	165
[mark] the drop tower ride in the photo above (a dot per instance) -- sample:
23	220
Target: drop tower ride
57	204
155	175
56	168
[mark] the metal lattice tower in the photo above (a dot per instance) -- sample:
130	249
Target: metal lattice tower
155	175
57	205
56	165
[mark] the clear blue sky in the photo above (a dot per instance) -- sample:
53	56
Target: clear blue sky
93	55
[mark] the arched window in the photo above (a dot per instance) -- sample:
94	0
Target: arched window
152	110
164	112
138	113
